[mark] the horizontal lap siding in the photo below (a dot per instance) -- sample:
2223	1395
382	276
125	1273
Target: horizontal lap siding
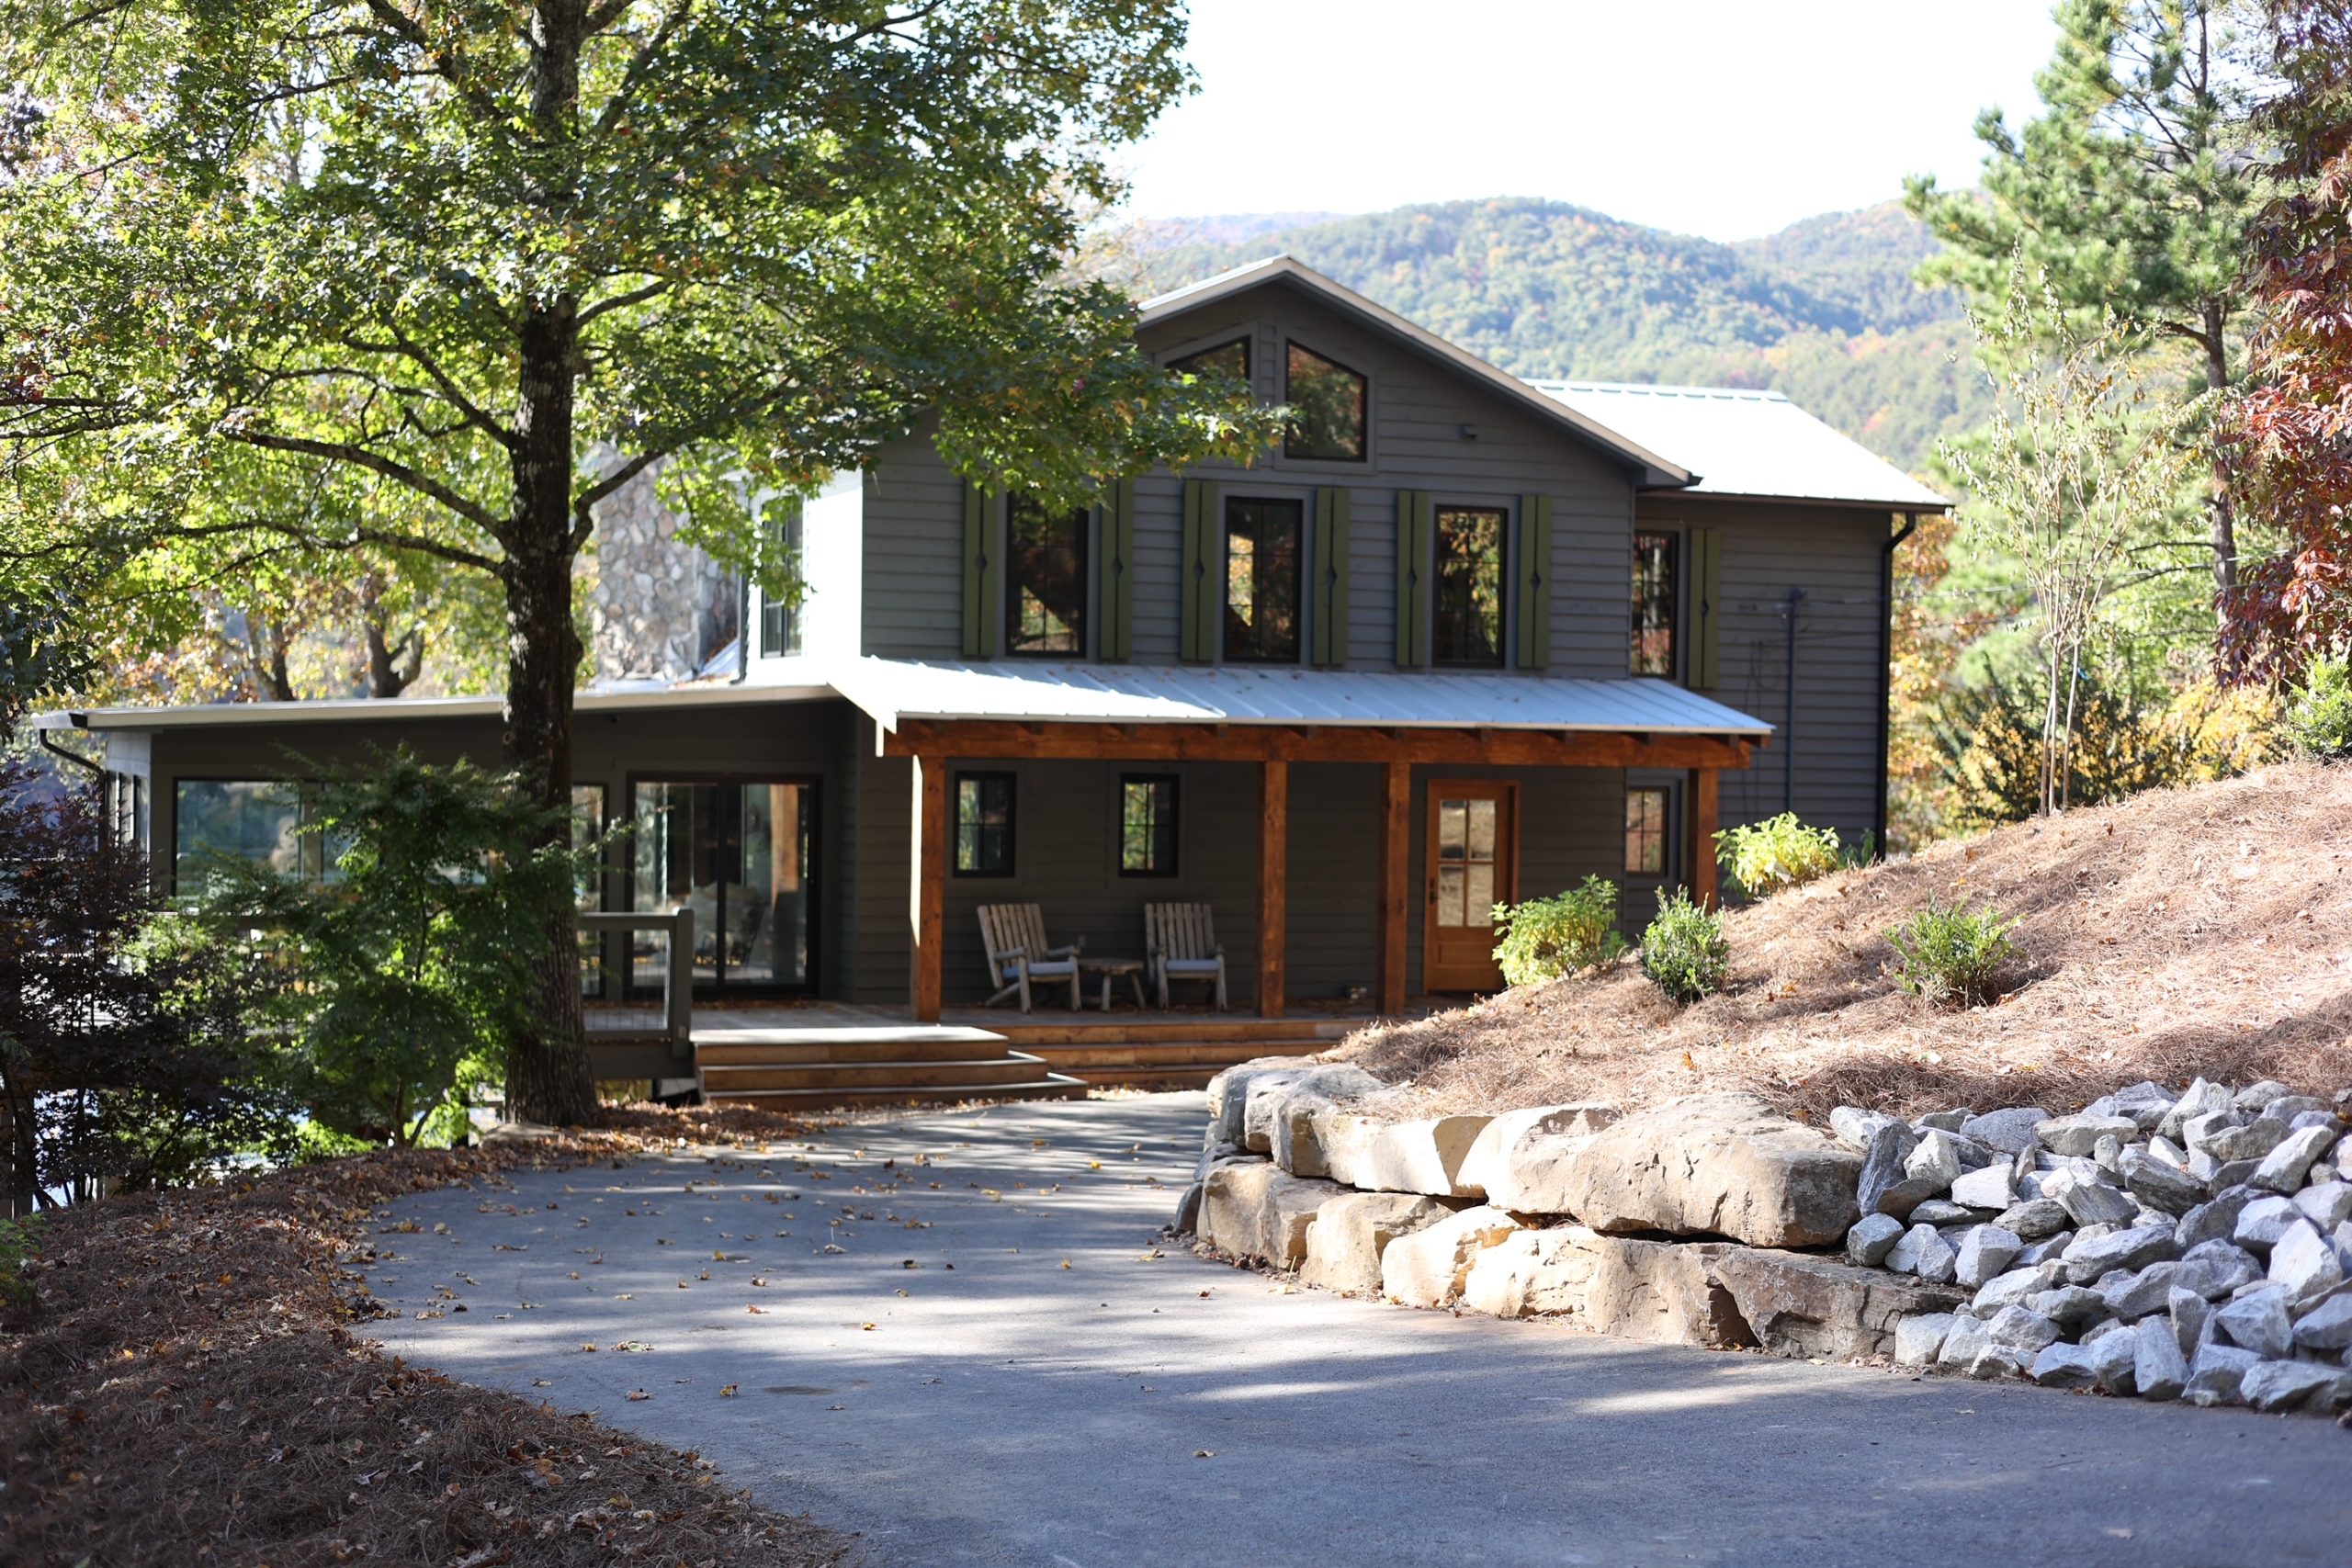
913	588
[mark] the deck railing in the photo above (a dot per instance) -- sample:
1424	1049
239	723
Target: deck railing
677	968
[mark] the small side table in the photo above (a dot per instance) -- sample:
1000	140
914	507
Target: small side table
1110	967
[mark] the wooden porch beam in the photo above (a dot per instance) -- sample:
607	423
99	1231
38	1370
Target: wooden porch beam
927	887
1273	890
1252	743
1396	853
1705	816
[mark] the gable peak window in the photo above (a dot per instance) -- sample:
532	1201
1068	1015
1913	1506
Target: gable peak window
1044	585
1467	625
1229	361
1327	401
984	824
1148	825
1656	596
1262	581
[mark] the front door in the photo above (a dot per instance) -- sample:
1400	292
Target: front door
737	853
1473	860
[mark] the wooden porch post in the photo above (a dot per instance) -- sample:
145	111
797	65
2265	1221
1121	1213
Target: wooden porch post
1396	851
927	887
1273	894
1704	817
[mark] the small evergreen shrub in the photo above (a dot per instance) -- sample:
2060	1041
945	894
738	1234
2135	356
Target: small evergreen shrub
1764	857
1544	938
1684	951
1951	954
2318	720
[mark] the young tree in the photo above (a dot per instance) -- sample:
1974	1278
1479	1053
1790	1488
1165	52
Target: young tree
505	258
2130	192
2077	468
2291	427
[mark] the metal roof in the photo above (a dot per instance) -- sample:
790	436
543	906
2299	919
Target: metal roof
614	699
891	690
1743	443
1656	471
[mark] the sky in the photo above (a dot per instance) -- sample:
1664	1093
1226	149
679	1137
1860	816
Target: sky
1728	120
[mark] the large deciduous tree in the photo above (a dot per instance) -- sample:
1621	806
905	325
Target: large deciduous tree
500	258
2292	423
2130	192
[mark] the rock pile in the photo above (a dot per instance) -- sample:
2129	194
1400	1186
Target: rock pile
2191	1246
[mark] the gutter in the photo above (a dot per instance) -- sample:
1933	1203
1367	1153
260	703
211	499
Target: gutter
1887	660
80	721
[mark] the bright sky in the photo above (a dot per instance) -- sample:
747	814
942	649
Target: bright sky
1724	117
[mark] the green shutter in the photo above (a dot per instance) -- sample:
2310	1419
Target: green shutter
1414	513
1201	572
1705	669
1328	558
1116	543
1534	579
983	572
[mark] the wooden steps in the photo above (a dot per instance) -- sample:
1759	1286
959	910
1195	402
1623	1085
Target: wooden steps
887	1065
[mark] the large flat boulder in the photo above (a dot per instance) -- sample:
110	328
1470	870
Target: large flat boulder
1424	1155
1298	1114
1724	1165
1487	1166
1351	1231
1801	1305
1661	1292
1428	1267
1259	1211
1228	1093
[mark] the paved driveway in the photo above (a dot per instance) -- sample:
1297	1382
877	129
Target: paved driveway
968	1350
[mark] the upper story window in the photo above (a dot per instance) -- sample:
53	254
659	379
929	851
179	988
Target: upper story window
1045	581
1467	625
1655	598
1327	403
779	617
984	824
1262	581
1230	360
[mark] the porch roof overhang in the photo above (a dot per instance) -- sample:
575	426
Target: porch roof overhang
1240	713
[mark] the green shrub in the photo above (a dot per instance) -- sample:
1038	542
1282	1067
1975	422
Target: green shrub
1684	951
1546	938
20	1239
2318	720
1951	954
1764	857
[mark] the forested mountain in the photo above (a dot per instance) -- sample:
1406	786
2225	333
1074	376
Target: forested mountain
1825	310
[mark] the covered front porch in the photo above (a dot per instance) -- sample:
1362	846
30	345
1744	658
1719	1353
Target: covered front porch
1419	791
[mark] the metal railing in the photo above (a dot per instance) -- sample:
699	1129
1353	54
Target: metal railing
677	969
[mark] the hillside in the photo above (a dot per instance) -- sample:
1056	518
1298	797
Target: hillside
2177	933
1825	310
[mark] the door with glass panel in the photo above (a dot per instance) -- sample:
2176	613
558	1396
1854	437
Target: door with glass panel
1473	864
741	855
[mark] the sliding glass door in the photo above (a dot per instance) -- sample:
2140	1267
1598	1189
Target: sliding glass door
741	857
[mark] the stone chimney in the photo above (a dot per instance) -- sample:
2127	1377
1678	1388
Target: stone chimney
657	609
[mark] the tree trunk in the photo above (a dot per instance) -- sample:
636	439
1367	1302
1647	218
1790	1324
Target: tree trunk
392	665
2223	515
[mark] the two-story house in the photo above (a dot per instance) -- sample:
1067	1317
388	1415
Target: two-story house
1461	639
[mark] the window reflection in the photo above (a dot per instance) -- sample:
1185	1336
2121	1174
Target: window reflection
1468	627
1327	401
739	855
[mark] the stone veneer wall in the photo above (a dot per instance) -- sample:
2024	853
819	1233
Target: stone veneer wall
657	609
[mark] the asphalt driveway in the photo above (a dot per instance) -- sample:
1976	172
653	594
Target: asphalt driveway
954	1335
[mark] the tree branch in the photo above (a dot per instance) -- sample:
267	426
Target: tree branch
424	484
637	295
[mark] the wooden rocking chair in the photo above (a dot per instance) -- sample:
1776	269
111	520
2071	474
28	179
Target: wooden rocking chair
1014	936
1180	943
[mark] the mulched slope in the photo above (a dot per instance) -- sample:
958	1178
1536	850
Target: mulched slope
2178	932
193	1388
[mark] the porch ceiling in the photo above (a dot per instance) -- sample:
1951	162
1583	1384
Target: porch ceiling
896	692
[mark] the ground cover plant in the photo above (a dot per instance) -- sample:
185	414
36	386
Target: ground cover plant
2178	932
193	1385
1546	938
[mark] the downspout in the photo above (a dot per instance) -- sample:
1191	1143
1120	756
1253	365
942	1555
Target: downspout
1886	661
98	769
1788	709
742	628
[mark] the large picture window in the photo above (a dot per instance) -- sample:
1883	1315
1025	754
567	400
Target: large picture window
1148	825
739	856
255	820
1646	833
1262	581
984	824
1045	586
1655	600
1327	401
1467	625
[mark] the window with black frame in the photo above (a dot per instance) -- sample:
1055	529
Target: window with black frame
1045	580
1227	361
1261	579
984	824
1646	812
1655	603
1466	626
1327	401
779	617
1148	825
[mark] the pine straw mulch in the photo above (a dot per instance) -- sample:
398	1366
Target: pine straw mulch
193	1387
2200	931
